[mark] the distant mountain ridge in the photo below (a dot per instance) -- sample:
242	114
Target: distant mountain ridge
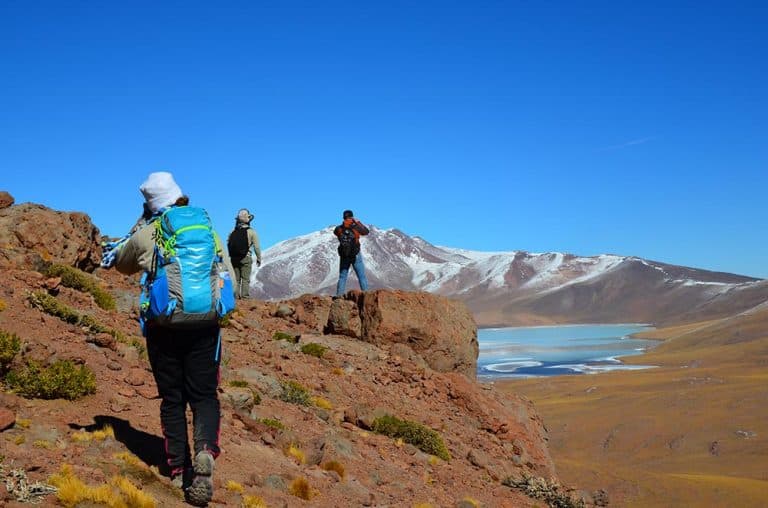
516	287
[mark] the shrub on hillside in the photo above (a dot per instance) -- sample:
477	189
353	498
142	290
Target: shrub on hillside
272	422
295	393
10	345
314	349
50	305
293	339
60	380
2	305
420	436
78	280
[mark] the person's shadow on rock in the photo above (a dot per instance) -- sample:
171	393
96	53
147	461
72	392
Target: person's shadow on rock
147	447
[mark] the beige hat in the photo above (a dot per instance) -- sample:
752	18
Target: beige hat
160	190
244	216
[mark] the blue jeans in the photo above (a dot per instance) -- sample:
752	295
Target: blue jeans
359	267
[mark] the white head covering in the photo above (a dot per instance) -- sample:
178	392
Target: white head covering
244	216
160	190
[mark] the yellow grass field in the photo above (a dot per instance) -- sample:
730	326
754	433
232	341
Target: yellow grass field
693	432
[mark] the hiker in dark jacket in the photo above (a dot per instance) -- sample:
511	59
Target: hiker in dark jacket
241	242
349	233
185	362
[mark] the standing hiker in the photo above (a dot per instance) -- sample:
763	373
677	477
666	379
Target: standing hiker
349	233
241	242
186	289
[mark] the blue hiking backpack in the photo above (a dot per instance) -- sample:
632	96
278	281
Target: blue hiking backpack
189	285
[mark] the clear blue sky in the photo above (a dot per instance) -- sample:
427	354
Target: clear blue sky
624	127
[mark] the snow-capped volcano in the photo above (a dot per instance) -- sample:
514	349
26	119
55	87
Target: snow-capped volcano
508	287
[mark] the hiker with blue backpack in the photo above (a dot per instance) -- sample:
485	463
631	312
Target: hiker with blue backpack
186	287
243	241
348	234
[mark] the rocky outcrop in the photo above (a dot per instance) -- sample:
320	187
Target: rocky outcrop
31	233
441	330
6	200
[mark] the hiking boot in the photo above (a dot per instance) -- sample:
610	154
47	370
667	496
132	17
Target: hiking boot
201	490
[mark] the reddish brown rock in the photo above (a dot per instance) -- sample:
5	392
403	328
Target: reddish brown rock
135	377
31	234
6	200
312	311
442	331
344	319
7	418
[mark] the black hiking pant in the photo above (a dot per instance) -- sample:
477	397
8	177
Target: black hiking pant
185	364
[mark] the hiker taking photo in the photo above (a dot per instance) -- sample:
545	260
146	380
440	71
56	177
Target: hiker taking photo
243	241
349	233
186	288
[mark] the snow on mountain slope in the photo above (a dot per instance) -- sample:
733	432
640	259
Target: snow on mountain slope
309	264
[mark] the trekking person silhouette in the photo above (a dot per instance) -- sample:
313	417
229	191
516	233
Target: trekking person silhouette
241	242
180	309
349	233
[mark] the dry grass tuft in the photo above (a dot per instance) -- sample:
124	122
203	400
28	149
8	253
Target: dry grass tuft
253	502
295	452
321	403
42	443
120	492
83	436
233	486
300	488
333	465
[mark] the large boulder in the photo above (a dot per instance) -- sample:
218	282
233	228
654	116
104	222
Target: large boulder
31	233
6	200
442	331
344	319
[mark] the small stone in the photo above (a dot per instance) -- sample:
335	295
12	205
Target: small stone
118	406
148	392
478	458
102	340
267	438
239	398
52	284
127	392
114	366
128	353
135	377
284	311
274	481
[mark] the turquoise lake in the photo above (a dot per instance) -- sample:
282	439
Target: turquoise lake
557	350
